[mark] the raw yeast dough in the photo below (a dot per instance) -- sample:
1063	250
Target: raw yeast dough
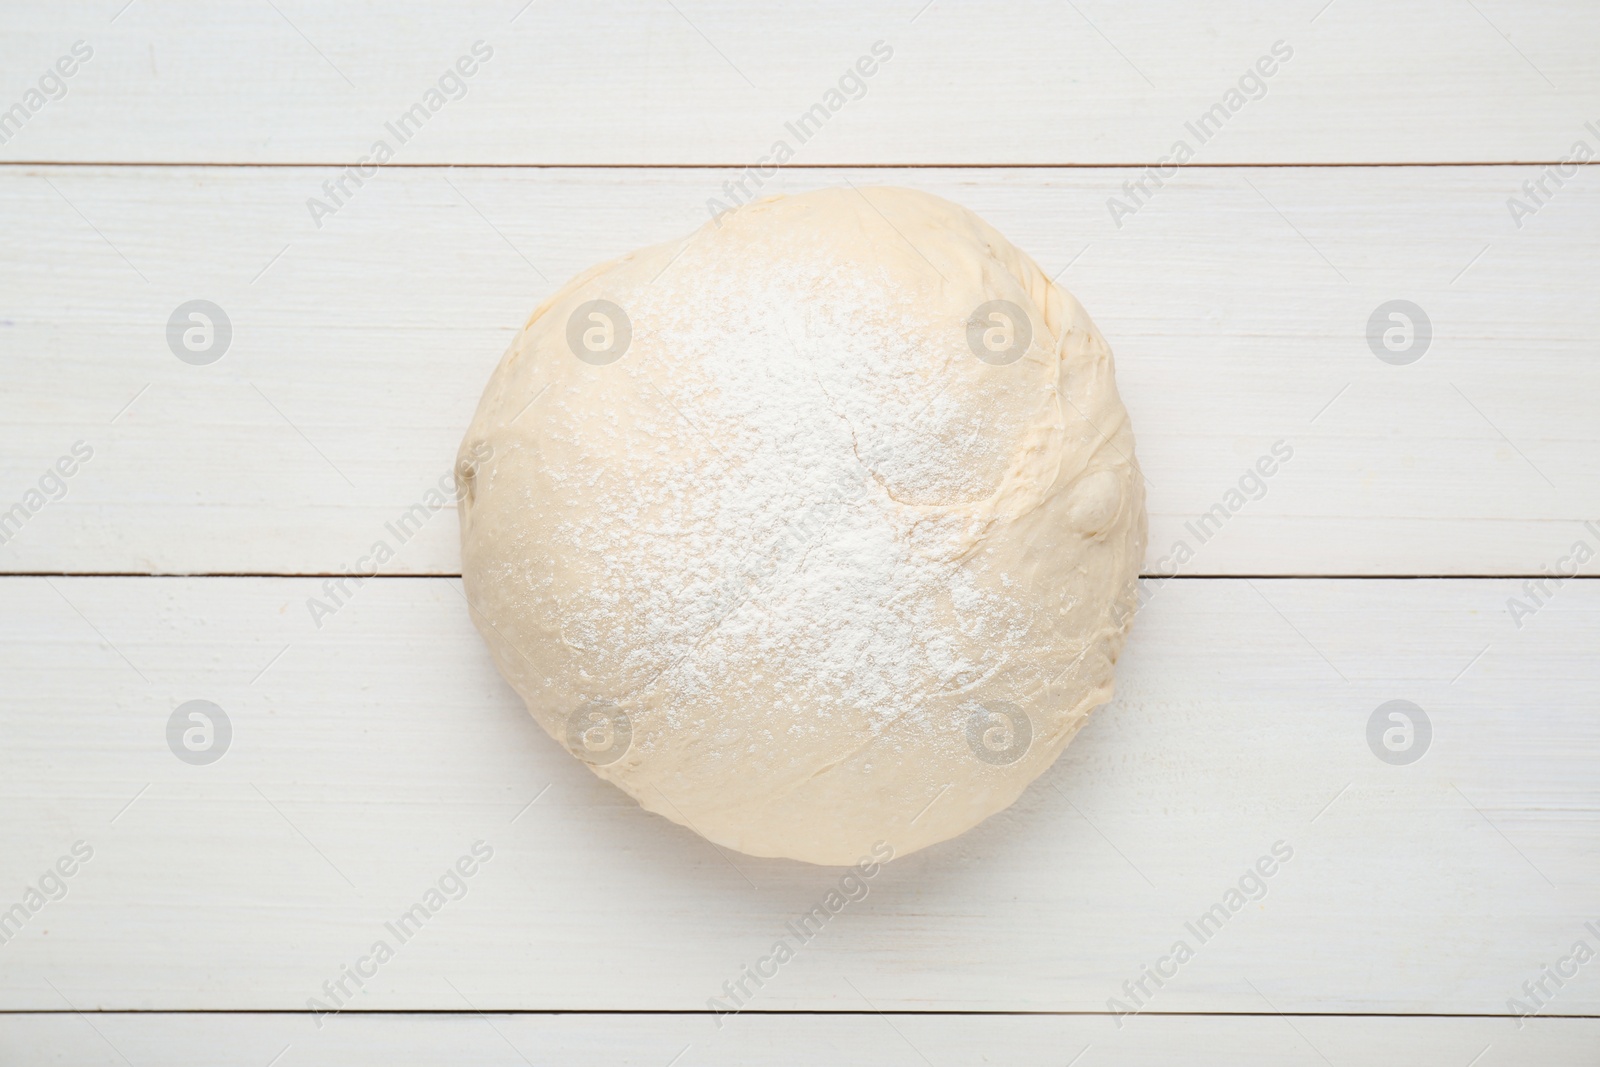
814	530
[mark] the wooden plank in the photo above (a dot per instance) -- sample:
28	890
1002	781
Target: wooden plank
368	756
777	1040
1237	302
716	81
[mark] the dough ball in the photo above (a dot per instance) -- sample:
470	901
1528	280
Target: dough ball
816	530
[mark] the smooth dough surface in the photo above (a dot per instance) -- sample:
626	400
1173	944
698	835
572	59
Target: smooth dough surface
804	550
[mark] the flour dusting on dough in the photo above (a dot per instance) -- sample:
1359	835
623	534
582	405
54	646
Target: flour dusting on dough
798	533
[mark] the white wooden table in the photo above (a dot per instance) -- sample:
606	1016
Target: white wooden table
208	502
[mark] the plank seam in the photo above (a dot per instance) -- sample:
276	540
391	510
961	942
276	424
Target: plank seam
768	1011
321	165
1263	577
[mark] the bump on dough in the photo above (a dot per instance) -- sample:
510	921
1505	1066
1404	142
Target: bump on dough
837	580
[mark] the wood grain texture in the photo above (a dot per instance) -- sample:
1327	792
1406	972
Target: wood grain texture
1237	302
916	1040
369	755
371	752
715	81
